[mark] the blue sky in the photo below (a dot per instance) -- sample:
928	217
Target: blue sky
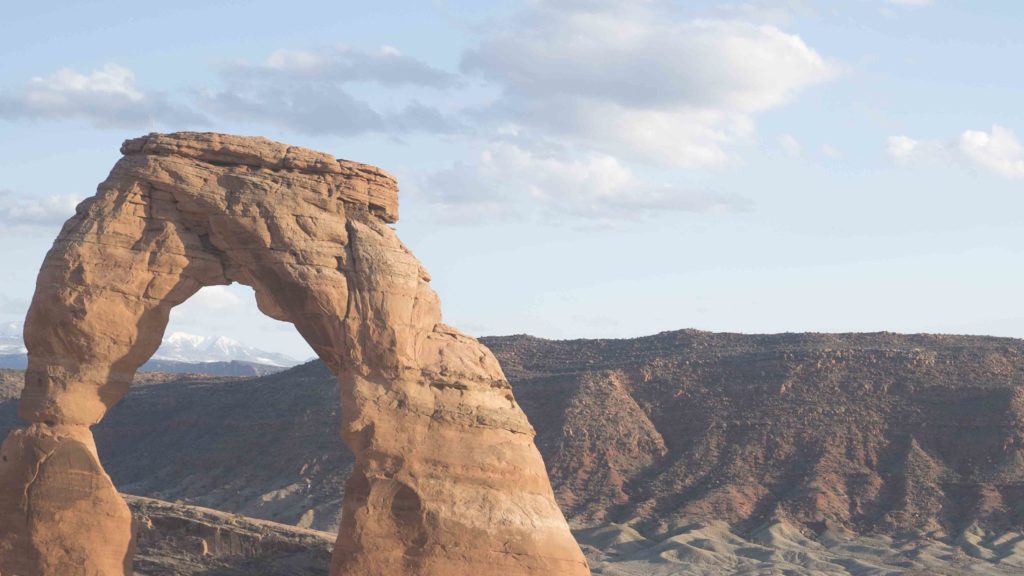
575	168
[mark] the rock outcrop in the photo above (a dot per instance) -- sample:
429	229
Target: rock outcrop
181	540
447	480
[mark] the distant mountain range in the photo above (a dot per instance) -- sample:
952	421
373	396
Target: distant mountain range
189	348
180	352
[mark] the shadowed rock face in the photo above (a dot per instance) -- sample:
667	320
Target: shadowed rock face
447	479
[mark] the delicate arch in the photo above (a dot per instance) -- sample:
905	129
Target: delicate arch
447	478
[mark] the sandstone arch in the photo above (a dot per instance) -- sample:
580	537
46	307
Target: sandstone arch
447	480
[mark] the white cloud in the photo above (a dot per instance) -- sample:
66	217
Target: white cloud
830	151
631	79
790	145
591	88
618	84
906	150
998	150
303	90
507	178
25	211
901	147
107	97
911	3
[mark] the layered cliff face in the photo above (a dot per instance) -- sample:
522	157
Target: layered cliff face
446	478
871	432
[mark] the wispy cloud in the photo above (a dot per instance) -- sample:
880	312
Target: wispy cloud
387	66
790	146
579	99
306	91
18	211
311	92
508	180
997	150
107	97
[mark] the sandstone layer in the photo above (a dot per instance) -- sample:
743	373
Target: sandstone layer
446	481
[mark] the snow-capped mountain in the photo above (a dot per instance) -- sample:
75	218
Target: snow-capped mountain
10	338
180	352
184	347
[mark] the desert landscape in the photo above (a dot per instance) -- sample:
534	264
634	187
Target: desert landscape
729	288
681	453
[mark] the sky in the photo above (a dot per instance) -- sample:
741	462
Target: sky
574	168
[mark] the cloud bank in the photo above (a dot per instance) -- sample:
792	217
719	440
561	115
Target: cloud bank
581	97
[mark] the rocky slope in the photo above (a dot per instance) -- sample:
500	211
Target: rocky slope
867	432
871	432
182	540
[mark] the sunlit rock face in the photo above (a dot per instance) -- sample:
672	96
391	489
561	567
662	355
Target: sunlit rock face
447	479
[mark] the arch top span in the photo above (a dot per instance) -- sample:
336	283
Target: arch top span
354	182
447	479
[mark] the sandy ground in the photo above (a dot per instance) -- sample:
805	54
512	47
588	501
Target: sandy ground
711	548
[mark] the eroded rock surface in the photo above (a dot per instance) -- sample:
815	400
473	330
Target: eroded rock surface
447	479
181	540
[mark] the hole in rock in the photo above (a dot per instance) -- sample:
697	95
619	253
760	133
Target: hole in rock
406	511
231	413
405	505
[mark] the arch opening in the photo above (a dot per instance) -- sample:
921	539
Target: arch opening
423	406
223	324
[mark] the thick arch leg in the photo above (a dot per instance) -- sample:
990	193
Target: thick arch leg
448	481
61	514
101	305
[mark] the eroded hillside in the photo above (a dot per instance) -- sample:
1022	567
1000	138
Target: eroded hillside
871	432
867	431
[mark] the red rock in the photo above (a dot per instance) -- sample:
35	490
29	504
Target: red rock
447	478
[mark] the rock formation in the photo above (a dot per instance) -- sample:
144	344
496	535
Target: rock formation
447	480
